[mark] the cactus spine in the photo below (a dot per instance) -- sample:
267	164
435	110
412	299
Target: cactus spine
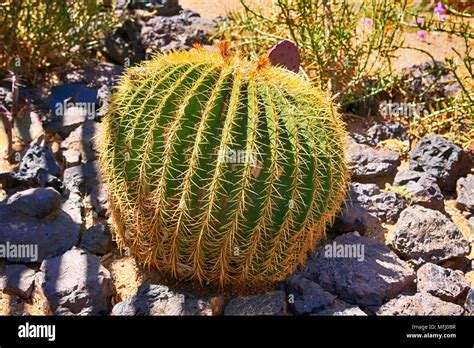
220	169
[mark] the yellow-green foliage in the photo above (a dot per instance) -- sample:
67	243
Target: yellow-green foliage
181	203
40	33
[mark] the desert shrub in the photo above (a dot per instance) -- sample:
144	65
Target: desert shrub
451	114
38	34
341	43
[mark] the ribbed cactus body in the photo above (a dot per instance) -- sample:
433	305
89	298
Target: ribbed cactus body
221	169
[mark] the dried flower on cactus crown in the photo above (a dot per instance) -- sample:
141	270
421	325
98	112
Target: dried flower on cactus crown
224	50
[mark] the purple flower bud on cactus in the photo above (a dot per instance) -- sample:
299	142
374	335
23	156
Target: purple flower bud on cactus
421	34
368	21
420	21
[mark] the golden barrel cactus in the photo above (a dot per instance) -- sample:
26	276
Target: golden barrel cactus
221	169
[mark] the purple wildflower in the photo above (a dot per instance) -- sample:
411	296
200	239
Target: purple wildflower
368	21
420	21
439	9
421	34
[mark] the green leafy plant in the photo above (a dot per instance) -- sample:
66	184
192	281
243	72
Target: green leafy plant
37	34
341	43
221	169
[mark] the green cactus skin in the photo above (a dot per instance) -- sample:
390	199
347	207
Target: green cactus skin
181	206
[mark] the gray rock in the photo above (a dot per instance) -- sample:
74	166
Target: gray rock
440	158
366	162
103	74
75	283
124	44
305	296
74	207
354	217
430	80
341	308
363	190
37	168
383	131
101	77
160	300
419	304
270	303
135	40
422	187
82	179
84	140
71	105
104	95
359	270
17	280
384	205
469	304
426	235
86	180
35	202
176	32
97	239
465	192
34	232
72	158
162	7
99	198
65	122
445	283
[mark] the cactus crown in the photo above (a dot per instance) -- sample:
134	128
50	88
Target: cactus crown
221	169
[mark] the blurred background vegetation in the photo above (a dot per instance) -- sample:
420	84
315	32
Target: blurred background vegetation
39	34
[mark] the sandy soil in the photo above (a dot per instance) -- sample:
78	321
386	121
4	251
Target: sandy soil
213	8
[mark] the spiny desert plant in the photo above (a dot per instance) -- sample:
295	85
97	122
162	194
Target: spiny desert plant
40	33
220	169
